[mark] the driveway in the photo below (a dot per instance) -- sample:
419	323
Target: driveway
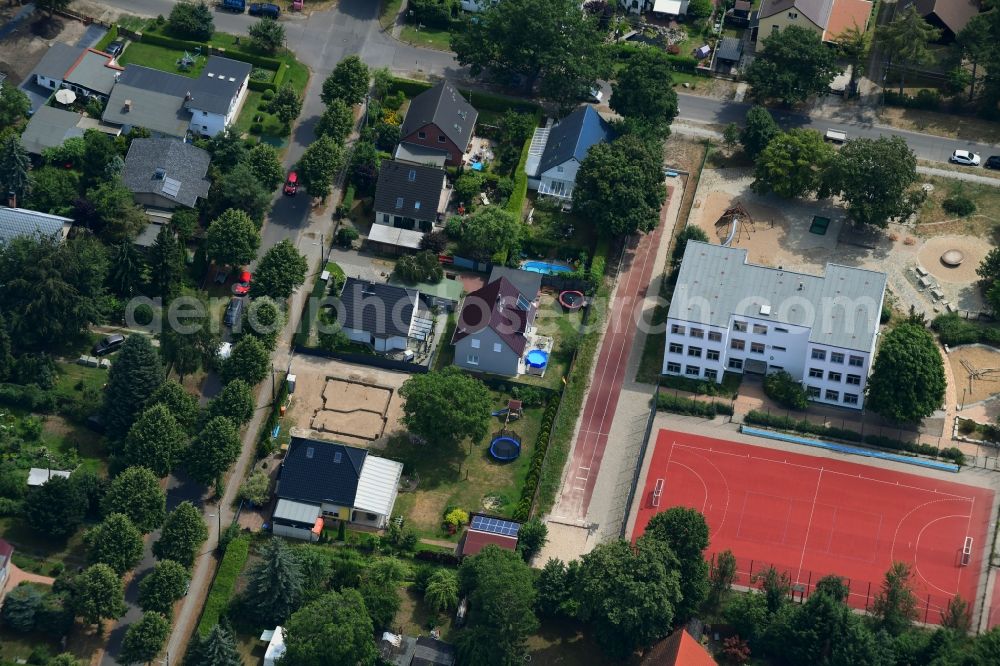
16	576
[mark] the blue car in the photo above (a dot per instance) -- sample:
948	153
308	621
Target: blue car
265	9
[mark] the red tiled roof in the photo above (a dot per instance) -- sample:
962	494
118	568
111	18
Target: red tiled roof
475	541
847	14
6	550
678	649
500	299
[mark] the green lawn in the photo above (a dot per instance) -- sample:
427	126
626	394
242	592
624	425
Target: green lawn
159	57
432	38
452	476
387	12
272	127
38	553
563	328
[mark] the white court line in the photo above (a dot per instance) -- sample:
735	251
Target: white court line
968	532
805	542
725	482
895	536
701	480
916	551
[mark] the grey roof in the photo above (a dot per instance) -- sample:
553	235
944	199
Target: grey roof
409	190
168	167
817	11
15	222
48	128
842	308
731	49
417	154
527	283
955	14
432	652
160	112
318	471
218	84
95	71
573	136
296	512
445	107
383	310
57	60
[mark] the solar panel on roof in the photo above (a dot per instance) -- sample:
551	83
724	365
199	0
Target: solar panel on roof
495	526
171	187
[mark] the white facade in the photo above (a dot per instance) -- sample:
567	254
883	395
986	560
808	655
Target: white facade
210	124
393	343
558	181
46	82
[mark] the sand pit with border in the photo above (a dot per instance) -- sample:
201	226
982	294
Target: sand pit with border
973	249
344	396
980	358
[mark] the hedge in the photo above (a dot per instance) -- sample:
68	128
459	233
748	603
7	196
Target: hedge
224	583
482	101
265	445
680	63
954	330
157	39
29	397
111	36
668	402
408	87
598	264
779	422
516	201
523	509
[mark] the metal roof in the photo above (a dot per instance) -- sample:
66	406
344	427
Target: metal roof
842	308
378	485
383	233
409	190
445	108
297	512
384	310
37	476
15	222
730	49
573	136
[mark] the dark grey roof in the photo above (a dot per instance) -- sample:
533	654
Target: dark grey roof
157	111
573	136
155	80
318	471
409	190
167	167
383	310
15	222
57	60
445	107
48	128
432	652
528	283
218	84
95	71
730	49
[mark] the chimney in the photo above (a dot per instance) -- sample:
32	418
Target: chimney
12	200
128	105
187	96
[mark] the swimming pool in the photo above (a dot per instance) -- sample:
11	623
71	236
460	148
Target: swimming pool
544	267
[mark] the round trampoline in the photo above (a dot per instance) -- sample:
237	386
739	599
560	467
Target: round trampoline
505	447
571	300
536	359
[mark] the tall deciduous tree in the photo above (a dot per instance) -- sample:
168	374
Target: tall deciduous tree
136	493
336	122
232	238
214	449
264	163
854	44
134	376
190	20
249	360
14	167
334	629
144	639
240	189
274	586
907	39
619	187
491	232
181	404
115	542
56	508
686	532
98	594
722	576
793	164
758	131
794	65
531	538
267	35
644	89
957	615
532	41
895	606
280	271
873	176
446	406
156	440
285	104
14	105
347	82
235	402
115	217
184	531
161	587
442	591
319	164
907	381
53	190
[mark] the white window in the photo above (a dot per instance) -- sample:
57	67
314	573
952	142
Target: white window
816	373
819	354
692	370
777	348
850	398
833	376
779	329
756	347
740	326
714	336
712	354
836	357
472	359
673	367
711	374
856	361
694	351
475	343
697	333
677	329
736	363
497	347
812	391
854	380
737	344
676	348
793	15
759	329
833	395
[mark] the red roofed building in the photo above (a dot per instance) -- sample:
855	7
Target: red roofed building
6	551
678	649
485	530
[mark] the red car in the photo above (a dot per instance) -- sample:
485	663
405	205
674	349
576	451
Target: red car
242	285
292	184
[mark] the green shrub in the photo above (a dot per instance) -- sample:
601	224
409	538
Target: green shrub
516	200
346	236
268	95
783	389
959	204
954	330
143	314
256	128
224	584
668	402
348	201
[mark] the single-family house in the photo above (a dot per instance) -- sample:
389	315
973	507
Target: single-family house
527	282
52	68
440	120
410	196
93	74
49	127
401	650
171	105
166	173
6	553
678	649
486	530
827	18
949	16
555	153
387	317
493	327
323	481
15	222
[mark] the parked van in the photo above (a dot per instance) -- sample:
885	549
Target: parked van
233	312
833	136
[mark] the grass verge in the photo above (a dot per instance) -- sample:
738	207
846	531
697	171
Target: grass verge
431	38
224	584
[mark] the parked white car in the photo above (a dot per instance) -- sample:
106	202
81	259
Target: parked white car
965	157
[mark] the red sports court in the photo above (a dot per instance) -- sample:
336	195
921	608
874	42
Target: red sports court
812	516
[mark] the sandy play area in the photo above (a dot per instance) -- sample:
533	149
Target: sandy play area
973	250
981	359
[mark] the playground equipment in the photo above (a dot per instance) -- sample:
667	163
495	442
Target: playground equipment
979	373
506	446
512	411
733	223
571	300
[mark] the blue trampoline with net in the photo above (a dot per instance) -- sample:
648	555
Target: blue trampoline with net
506	446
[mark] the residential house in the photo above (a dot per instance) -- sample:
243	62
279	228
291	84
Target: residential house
320	481
171	105
93	74
52	68
410	196
949	16
49	127
727	315
400	650
440	120
678	649
527	282
387	317
15	222
555	153
166	173
6	553
494	324
486	530
827	18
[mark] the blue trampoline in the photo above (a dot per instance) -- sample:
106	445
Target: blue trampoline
505	447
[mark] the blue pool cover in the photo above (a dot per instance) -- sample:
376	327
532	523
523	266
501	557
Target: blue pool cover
544	267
